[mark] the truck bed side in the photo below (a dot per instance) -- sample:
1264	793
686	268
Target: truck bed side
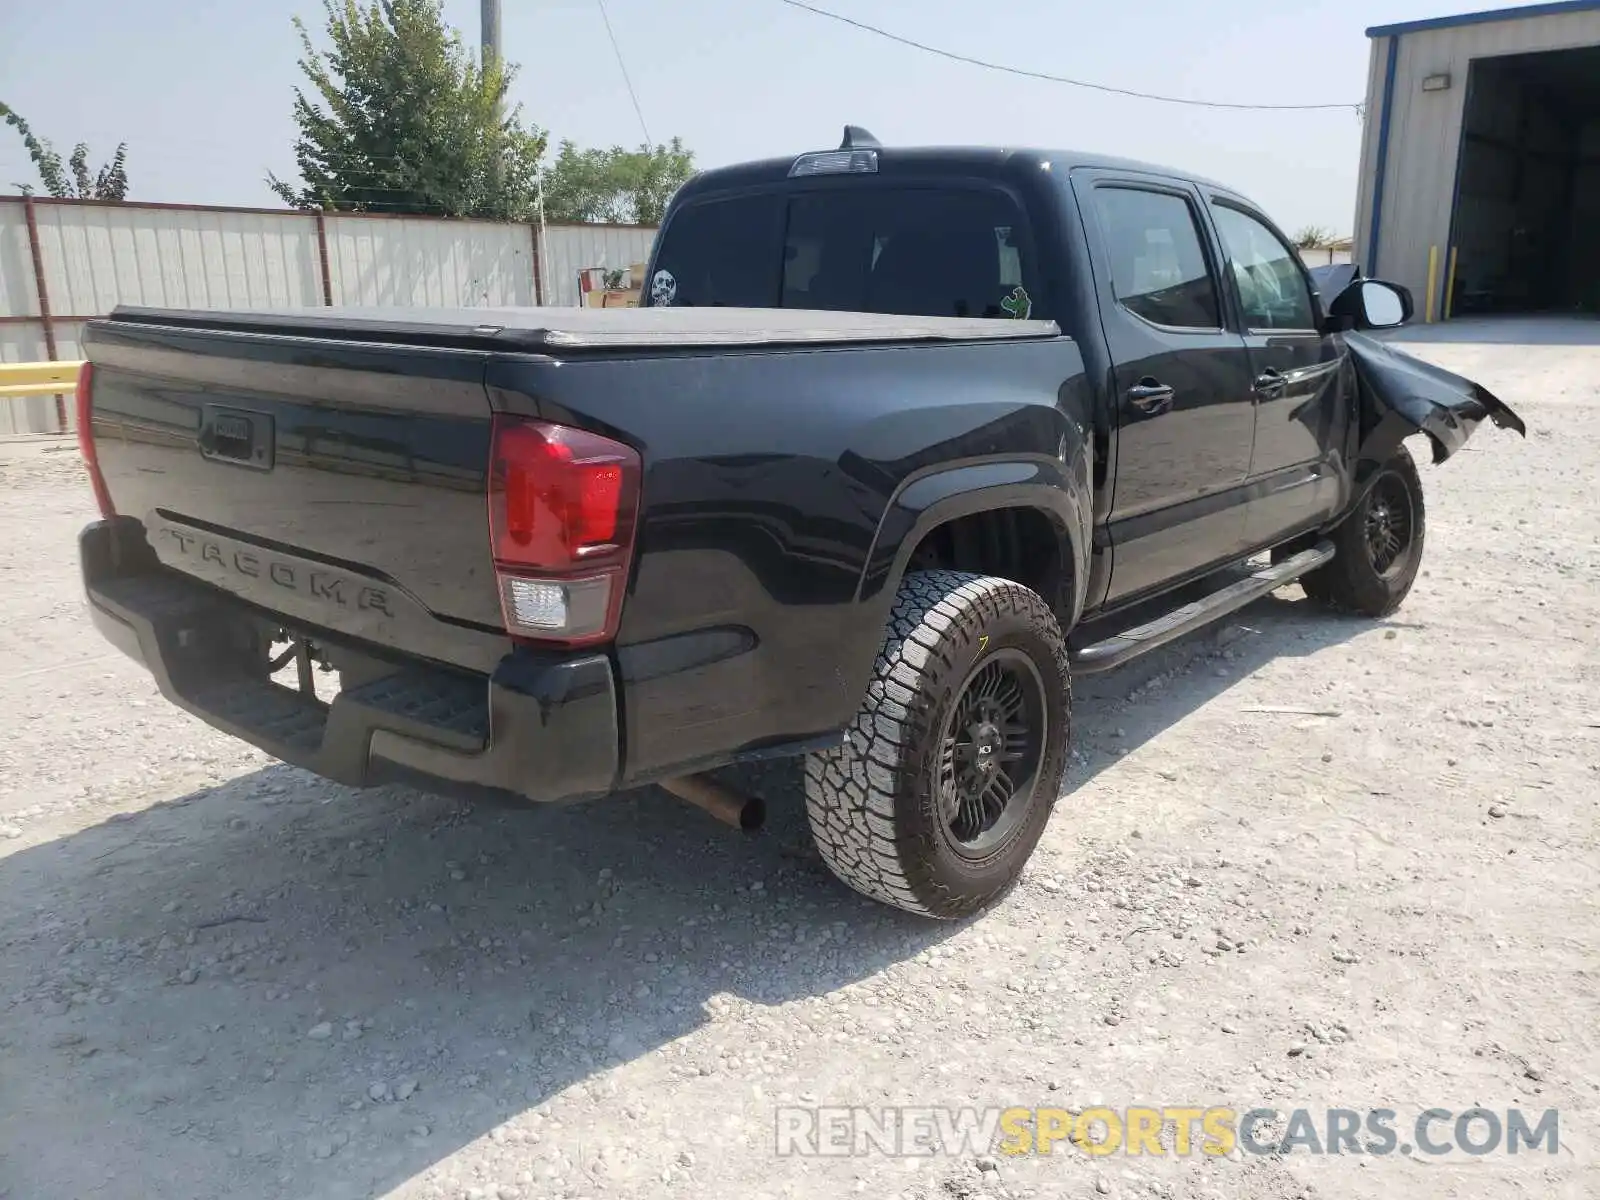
784	490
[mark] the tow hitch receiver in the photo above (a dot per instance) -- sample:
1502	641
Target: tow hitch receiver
305	654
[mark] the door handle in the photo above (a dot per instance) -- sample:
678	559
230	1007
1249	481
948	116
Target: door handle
1270	382
1151	396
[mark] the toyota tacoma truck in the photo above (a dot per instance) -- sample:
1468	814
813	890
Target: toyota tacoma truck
898	442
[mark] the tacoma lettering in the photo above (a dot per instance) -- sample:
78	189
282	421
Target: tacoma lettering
327	587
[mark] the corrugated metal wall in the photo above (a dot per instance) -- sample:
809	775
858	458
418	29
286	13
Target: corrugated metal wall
96	256
571	249
19	297
1425	131
1371	127
21	331
415	261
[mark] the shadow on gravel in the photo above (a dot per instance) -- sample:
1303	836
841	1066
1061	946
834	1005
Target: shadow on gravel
277	987
1117	712
177	986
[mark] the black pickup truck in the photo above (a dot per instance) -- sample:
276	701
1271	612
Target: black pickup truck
897	442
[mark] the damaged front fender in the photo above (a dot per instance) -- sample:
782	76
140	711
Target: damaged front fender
1401	395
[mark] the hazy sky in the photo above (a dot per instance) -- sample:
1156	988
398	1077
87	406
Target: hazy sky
200	89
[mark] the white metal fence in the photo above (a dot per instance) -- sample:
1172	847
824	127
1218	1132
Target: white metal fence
63	262
1325	256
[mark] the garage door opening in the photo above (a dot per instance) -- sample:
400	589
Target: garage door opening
1527	206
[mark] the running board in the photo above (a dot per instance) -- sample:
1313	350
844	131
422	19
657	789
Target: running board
1131	643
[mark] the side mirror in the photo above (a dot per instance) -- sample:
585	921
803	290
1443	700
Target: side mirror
1373	304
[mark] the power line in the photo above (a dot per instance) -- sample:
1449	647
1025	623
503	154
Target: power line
1026	74
632	95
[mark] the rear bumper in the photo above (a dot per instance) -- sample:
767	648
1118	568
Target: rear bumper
541	726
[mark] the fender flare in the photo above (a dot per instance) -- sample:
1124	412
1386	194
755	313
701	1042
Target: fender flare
927	501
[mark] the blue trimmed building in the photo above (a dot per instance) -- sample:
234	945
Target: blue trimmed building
1480	160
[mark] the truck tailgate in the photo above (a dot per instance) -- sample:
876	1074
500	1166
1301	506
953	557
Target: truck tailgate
339	484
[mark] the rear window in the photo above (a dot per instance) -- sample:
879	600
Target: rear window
918	252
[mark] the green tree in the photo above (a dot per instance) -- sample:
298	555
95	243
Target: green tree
72	181
615	185
401	118
1312	237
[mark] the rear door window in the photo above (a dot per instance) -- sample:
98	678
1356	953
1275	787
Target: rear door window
921	253
917	252
1158	265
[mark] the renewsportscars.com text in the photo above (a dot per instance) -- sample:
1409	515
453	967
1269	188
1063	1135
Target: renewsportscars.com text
1166	1131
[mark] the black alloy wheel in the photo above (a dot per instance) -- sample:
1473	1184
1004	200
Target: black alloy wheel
1377	547
992	744
943	783
1389	524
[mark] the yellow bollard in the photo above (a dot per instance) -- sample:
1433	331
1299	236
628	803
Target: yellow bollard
1450	284
1433	282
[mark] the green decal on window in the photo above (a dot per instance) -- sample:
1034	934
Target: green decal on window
1018	304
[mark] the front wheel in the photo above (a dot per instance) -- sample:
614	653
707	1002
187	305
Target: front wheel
1378	546
946	778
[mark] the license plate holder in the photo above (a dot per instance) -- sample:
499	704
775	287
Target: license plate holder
237	436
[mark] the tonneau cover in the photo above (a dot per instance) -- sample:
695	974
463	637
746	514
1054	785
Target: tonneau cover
535	330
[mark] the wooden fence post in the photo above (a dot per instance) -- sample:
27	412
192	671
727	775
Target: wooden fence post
45	319
322	257
538	267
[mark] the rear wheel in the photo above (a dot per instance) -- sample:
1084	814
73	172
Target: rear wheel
1379	545
947	775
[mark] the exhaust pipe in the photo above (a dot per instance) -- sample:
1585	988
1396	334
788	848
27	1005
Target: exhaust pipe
722	802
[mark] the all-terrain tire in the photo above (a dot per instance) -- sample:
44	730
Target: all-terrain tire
874	803
1351	582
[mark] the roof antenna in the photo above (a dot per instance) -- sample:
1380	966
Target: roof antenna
857	138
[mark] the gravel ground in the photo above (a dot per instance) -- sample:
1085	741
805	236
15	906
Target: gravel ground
222	977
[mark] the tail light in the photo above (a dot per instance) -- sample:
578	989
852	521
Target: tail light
91	458
563	504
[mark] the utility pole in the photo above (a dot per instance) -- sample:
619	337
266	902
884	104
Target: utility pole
489	15
490	11
493	55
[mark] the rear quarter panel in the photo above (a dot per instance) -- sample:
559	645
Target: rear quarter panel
771	534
